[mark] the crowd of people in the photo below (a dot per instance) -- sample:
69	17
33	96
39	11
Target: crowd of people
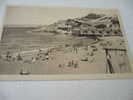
40	55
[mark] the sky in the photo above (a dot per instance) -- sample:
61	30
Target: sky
31	15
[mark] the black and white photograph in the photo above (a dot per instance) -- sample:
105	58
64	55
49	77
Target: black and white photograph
63	40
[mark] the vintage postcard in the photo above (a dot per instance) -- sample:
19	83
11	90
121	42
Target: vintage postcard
58	43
